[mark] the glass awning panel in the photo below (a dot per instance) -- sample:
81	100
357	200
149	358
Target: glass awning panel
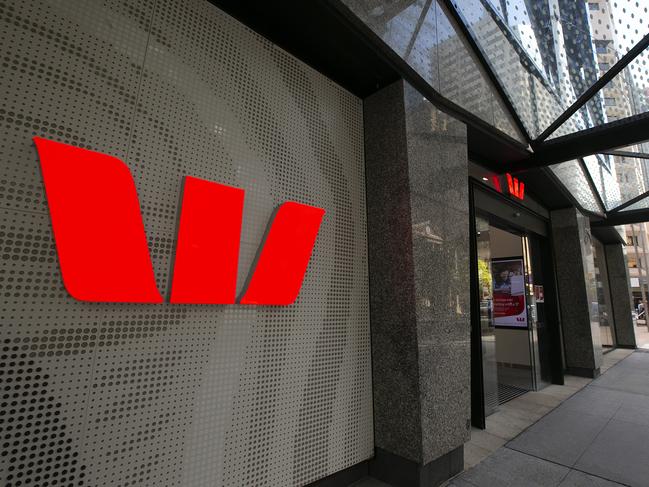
462	79
532	95
603	172
583	30
643	204
632	176
618	178
421	33
571	174
627	94
520	64
546	53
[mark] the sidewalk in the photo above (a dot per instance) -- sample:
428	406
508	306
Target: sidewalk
502	463
516	416
597	437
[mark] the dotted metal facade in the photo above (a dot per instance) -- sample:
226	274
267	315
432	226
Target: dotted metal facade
126	394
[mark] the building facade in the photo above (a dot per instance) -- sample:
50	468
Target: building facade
438	287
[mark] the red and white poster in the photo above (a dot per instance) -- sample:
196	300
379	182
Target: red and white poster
509	306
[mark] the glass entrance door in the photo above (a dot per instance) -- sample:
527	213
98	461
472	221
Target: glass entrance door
487	329
540	349
511	313
515	322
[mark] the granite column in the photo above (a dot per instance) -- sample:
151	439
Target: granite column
418	234
577	288
618	276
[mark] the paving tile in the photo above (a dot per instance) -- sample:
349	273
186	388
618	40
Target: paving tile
525	415
561	392
619	453
580	479
474	454
561	436
506	426
630	375
598	401
636	364
601	427
509	468
625	379
575	382
613	357
635	359
634	409
486	440
540	398
458	483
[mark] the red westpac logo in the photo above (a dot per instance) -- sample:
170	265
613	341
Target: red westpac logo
102	246
516	187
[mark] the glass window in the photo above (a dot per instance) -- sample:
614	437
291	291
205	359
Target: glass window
609	101
593	6
604	67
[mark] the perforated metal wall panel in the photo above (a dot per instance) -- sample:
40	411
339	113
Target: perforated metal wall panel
125	394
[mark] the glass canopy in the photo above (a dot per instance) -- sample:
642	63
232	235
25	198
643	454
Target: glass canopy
537	70
574	177
549	55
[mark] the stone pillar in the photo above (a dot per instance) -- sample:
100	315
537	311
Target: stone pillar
418	234
577	287
618	278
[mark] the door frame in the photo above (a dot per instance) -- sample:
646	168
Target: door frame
506	213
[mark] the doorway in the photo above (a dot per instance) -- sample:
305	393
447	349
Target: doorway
514	319
508	309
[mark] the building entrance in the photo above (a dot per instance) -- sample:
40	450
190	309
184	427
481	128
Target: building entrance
514	308
508	297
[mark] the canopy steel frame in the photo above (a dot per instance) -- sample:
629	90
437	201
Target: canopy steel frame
631	202
594	89
624	218
624	153
595	140
591	183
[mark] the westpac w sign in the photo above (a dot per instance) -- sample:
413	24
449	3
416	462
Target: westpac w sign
102	245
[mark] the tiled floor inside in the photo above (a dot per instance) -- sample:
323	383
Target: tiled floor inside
561	434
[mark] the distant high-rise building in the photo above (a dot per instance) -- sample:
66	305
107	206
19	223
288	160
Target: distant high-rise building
631	174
